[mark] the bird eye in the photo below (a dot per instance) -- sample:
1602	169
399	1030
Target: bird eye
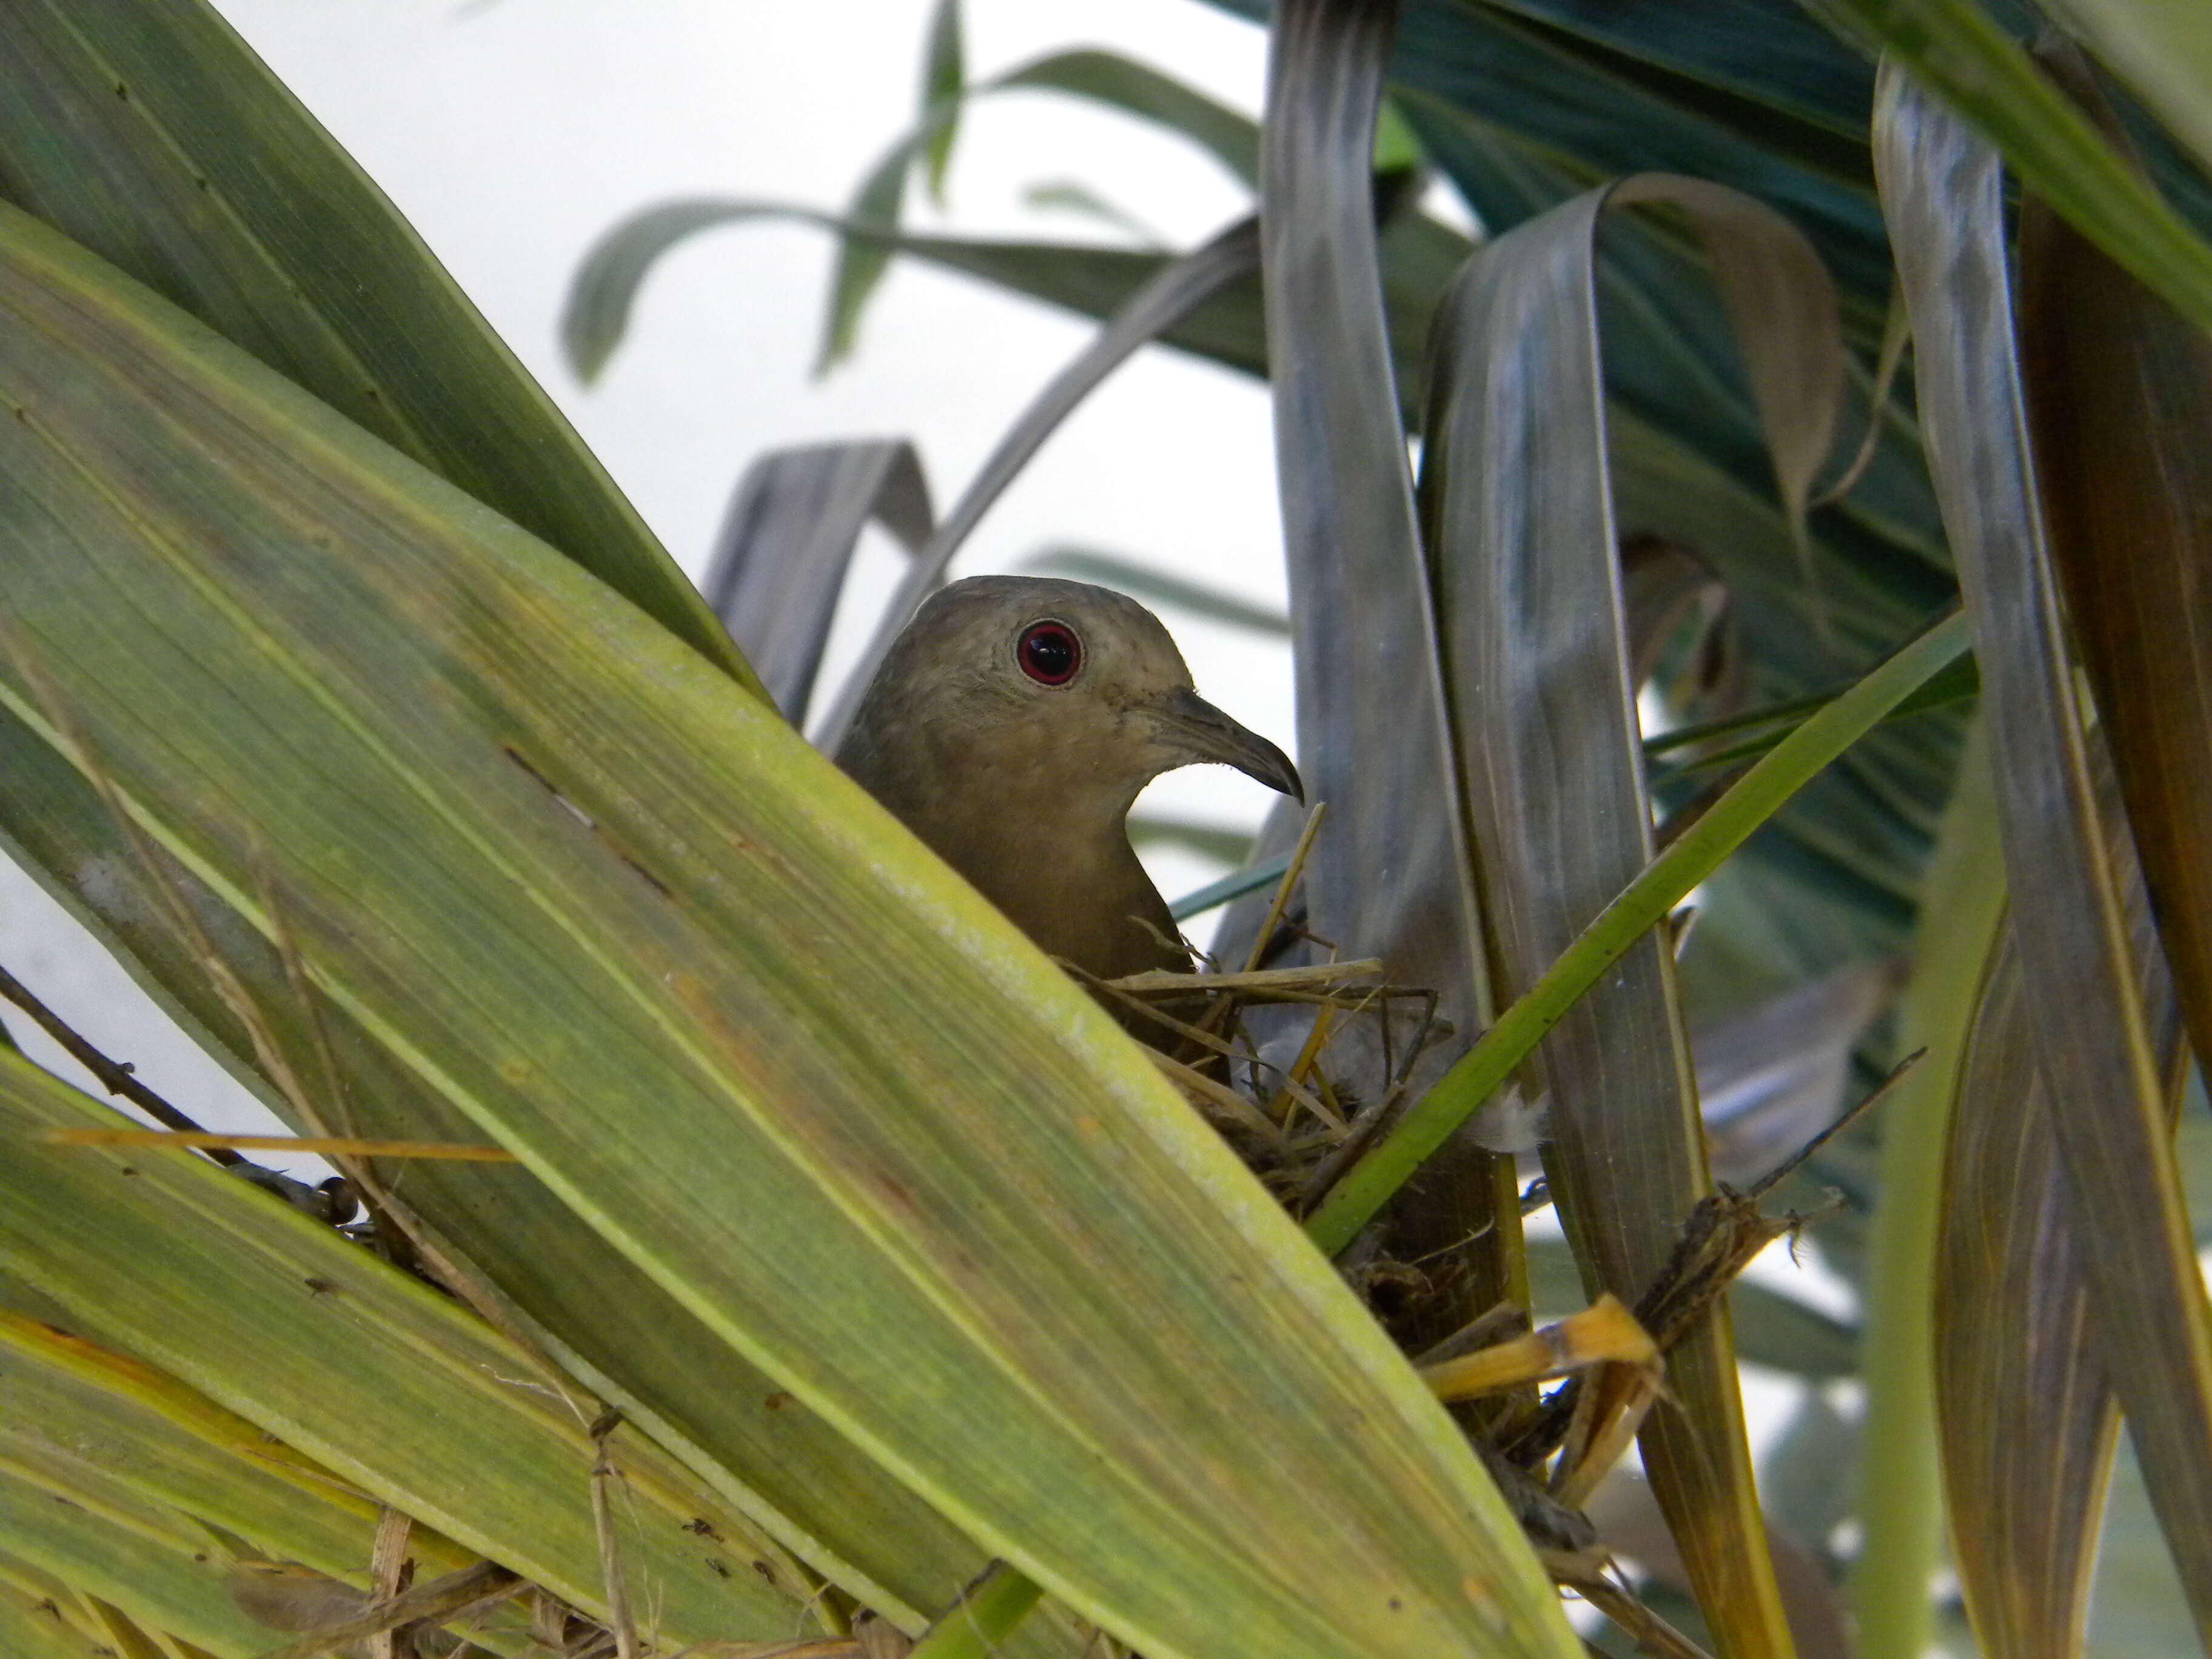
1049	652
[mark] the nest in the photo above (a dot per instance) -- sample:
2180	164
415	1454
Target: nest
1302	1069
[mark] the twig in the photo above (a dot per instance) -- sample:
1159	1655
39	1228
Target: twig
457	1594
328	1146
1649	1631
1789	1165
390	1571
602	1522
113	1076
1259	979
1291	875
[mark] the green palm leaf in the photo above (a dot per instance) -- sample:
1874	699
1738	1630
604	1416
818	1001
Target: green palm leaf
740	1024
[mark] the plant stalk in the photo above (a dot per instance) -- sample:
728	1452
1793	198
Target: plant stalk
1700	850
1900	1501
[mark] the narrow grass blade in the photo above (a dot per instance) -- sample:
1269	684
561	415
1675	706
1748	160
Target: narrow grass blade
862	262
364	1369
2119	400
944	84
1253	878
1105	78
1638	907
1959	53
1178	290
1941	189
1065	1315
147	131
1528	595
1420	258
780	557
156	1582
1899	1490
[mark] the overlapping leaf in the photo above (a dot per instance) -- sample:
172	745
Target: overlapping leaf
1941	187
1958	51
779	560
1899	1499
188	165
1530	608
601	293
738	1021
2161	49
636	1346
377	1377
32	1621
63	1397
2028	1411
1390	875
135	1556
2119	398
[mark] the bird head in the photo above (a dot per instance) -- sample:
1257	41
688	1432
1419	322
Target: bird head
1029	682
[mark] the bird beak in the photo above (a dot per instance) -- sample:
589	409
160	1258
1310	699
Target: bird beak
1195	727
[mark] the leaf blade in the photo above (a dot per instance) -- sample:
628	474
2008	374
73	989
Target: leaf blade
844	1177
337	1353
1941	189
150	133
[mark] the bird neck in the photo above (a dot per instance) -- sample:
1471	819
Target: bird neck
1052	851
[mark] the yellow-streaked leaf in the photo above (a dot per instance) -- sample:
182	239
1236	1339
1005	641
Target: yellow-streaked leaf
731	1014
31	1624
176	1583
631	1342
379	1379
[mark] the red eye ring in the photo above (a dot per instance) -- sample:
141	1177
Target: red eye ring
1049	652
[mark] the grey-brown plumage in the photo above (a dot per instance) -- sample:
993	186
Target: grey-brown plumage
1011	726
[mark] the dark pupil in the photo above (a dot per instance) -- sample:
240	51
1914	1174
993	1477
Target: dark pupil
1049	653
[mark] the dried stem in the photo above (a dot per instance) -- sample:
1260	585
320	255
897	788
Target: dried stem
602	1521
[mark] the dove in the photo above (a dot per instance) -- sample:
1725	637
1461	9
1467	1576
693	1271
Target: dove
1011	727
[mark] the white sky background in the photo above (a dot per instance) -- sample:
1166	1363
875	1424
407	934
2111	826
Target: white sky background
514	134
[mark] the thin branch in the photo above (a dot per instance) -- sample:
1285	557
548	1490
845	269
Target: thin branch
602	1522
113	1076
457	1594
